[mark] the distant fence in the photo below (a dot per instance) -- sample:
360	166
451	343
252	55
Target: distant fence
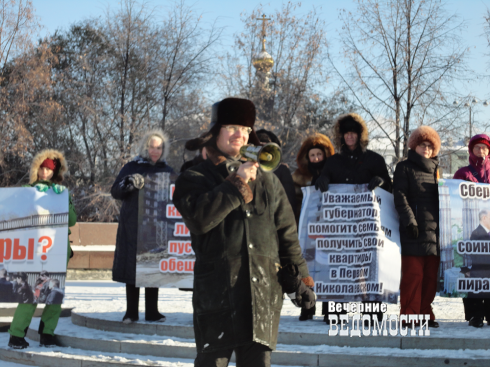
40	220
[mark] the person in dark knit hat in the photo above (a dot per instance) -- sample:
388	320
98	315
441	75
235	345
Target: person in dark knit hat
477	309
243	231
282	172
416	198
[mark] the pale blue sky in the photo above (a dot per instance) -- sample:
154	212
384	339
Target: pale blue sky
56	14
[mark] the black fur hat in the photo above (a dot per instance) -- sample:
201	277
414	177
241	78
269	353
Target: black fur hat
230	111
349	124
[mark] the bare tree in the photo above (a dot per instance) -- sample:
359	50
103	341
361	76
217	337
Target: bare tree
18	25
405	57
297	44
186	57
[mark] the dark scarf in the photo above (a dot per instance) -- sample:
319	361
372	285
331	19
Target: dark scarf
428	165
315	170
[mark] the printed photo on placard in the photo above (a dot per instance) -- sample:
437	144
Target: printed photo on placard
164	254
464	236
33	245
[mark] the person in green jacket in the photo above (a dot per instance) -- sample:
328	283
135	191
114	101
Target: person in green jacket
47	170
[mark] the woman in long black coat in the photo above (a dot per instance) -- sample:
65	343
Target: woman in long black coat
417	203
151	157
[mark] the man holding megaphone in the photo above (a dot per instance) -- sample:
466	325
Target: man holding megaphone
243	232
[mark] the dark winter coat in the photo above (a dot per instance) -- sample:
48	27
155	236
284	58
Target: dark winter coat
241	234
356	167
124	267
55	297
360	165
6	291
23	293
417	202
193	162
284	175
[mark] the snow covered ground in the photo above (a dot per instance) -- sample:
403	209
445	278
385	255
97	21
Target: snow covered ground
107	300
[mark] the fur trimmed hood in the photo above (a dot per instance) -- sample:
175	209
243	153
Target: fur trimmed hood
425	133
39	159
312	140
350	122
142	147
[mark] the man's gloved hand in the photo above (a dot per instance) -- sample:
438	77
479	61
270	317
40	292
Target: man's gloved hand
41	187
376	181
322	183
412	231
300	294
58	189
290	278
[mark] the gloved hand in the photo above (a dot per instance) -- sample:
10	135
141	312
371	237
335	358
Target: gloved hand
131	182
137	181
290	278
300	294
376	181
322	183
42	187
412	231
58	189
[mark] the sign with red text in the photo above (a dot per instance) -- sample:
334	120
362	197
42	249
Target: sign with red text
164	255
350	240
33	245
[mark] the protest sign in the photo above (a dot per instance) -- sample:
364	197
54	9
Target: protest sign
164	254
33	245
464	228
350	240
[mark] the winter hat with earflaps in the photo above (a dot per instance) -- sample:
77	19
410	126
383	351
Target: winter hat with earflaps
425	133
229	111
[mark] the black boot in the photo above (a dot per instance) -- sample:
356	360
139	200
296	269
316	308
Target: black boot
151	305
48	340
17	343
307	314
132	304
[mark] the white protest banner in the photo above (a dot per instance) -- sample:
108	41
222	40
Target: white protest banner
464	228
350	240
33	245
165	258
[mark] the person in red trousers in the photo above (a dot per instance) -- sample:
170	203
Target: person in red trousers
417	202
